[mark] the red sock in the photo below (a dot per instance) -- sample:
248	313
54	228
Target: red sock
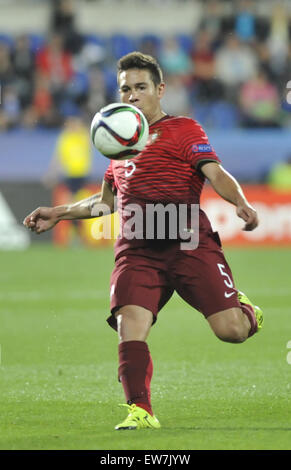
249	312
135	372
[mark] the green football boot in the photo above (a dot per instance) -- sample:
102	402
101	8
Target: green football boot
258	312
137	418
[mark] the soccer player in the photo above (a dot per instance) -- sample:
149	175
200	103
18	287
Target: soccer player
171	169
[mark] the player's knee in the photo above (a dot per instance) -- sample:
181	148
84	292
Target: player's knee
133	323
232	333
229	325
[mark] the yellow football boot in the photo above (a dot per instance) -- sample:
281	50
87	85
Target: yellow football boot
138	418
258	312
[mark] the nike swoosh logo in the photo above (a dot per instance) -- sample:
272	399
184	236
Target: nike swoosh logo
228	294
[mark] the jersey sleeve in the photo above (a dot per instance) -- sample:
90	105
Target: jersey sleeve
109	177
195	145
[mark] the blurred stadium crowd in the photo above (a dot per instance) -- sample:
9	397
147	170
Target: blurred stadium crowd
231	72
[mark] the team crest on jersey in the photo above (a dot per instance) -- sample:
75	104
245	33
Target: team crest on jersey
154	136
197	148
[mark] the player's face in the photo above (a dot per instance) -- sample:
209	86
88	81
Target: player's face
137	87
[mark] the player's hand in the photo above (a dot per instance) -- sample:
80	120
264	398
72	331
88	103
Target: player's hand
249	215
41	219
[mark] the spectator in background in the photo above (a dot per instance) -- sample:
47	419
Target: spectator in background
7	74
206	86
91	55
287	72
71	162
173	58
72	159
245	21
22	57
63	22
235	64
263	55
176	100
278	41
149	45
10	110
97	96
53	63
260	102
23	63
42	111
10	106
279	177
212	20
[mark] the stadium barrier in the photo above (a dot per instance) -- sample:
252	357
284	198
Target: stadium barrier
274	209
97	232
248	155
17	199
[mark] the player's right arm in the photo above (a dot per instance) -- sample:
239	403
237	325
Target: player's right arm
45	218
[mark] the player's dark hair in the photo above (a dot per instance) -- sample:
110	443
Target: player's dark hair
137	60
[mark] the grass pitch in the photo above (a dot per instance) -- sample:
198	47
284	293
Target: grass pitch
59	389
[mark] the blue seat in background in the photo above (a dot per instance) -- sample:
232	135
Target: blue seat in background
68	108
154	39
96	39
79	84
285	105
37	42
7	40
224	115
217	115
121	44
185	41
201	113
109	74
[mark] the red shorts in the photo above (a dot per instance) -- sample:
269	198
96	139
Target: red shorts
147	277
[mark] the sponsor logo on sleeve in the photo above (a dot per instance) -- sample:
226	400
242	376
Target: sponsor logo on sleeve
198	148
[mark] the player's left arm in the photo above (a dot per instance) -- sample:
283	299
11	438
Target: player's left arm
229	189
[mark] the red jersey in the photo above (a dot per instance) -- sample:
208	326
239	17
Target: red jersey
167	169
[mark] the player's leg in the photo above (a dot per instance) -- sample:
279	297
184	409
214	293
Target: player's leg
204	279
235	325
135	362
135	365
230	325
133	323
138	292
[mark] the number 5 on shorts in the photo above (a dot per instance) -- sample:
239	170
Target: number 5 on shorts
228	282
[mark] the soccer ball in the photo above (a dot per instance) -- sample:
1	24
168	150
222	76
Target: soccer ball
119	131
